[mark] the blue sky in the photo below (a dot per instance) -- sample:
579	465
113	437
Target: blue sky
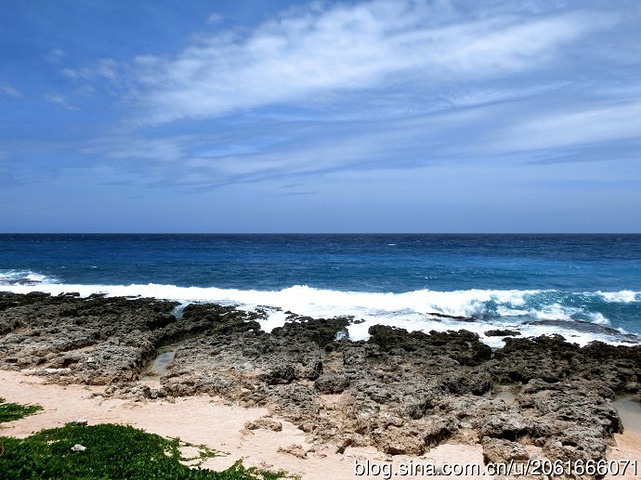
284	116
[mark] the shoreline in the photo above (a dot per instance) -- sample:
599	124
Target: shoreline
400	396
444	311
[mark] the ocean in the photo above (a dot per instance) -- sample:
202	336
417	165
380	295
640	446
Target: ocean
584	287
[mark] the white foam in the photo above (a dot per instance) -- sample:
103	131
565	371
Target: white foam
275	319
598	318
24	277
411	310
623	296
554	311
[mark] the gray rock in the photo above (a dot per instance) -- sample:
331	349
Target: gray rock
265	423
498	450
402	392
332	383
509	425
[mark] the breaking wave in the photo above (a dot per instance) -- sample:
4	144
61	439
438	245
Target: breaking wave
24	277
580	317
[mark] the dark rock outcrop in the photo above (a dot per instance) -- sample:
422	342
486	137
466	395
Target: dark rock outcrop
403	392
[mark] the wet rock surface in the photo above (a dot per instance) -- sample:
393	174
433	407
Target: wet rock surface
401	392
94	340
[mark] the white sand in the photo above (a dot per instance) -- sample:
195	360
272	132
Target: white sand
203	420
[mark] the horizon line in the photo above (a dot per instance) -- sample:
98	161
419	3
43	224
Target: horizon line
320	233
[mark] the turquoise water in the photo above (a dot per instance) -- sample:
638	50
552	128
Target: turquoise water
587	283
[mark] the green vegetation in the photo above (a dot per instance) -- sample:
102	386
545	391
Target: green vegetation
14	411
110	452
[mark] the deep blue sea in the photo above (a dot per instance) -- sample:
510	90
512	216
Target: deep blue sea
584	287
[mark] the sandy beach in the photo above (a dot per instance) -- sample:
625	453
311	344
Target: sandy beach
220	426
203	420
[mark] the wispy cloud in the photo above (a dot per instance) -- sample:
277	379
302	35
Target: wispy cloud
104	68
9	91
56	56
215	18
589	125
58	99
331	89
316	51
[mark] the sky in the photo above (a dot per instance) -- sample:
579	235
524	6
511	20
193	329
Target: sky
340	116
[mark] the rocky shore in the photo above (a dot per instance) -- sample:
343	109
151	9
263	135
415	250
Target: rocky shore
401	392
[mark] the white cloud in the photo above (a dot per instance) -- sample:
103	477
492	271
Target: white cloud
9	91
108	68
58	99
499	133
70	73
411	87
215	18
310	51
588	125
56	55
169	149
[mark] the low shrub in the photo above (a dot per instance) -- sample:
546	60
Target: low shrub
108	451
15	411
